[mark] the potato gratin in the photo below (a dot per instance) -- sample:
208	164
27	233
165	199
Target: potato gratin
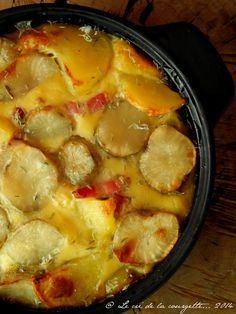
96	166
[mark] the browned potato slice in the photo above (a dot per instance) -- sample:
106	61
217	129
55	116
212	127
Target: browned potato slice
13	273
128	60
4	225
20	291
27	177
77	160
83	54
169	157
145	237
47	128
122	129
97	216
173	119
150	95
120	280
26	72
78	282
8	52
7	131
5	94
34	243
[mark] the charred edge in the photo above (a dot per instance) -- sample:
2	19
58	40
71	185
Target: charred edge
146	12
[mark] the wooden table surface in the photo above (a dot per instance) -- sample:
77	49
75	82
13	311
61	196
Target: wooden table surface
208	275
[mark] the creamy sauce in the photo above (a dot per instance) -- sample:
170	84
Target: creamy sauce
87	224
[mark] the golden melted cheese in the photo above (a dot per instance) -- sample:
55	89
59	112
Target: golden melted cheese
84	269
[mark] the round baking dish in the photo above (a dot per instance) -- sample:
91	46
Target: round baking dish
195	69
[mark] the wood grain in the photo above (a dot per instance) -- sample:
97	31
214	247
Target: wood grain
114	7
209	273
217	19
111	6
4	4
16	3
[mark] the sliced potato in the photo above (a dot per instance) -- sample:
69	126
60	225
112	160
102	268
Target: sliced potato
34	243
78	282
122	129
145	237
47	128
120	280
7	131
77	160
128	60
4	226
27	177
97	216
20	291
173	119
31	40
83	54
5	94
8	52
150	95
13	275
141	194
169	157
26	72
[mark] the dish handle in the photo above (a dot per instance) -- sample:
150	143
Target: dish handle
192	51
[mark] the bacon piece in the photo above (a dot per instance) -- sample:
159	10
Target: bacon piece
97	102
106	188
